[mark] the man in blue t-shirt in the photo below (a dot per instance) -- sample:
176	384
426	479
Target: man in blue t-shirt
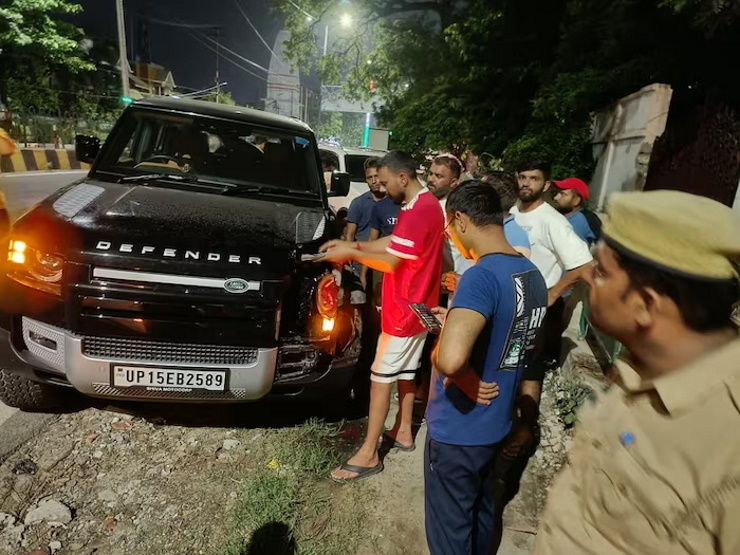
360	214
382	221
570	198
487	341
361	210
384	218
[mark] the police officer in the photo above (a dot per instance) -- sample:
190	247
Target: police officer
655	463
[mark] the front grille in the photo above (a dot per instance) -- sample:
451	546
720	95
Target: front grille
157	351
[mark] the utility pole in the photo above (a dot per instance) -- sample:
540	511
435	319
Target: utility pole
122	51
218	75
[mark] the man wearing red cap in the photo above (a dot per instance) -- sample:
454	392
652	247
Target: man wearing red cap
570	199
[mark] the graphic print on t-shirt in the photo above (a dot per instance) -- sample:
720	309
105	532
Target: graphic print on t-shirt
527	321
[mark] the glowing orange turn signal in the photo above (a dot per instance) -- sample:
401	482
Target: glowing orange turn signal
17	251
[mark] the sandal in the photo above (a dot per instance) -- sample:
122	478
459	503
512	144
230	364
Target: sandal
399	446
362	472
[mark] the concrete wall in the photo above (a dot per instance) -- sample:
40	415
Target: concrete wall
623	138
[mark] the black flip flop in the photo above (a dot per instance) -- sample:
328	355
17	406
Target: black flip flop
399	446
362	472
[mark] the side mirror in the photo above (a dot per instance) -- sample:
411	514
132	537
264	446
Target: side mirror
87	148
339	184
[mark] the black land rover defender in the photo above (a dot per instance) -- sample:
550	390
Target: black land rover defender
179	269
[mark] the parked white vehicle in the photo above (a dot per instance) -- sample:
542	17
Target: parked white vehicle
352	161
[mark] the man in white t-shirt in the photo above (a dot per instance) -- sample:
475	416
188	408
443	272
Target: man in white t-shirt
557	251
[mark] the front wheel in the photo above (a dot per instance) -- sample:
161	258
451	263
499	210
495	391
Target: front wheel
19	392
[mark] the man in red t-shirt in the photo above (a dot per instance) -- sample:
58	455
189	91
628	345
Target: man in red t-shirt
412	260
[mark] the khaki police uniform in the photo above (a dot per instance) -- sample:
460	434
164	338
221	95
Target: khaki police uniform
655	467
655	464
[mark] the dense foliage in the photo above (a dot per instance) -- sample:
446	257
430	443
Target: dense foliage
50	72
513	78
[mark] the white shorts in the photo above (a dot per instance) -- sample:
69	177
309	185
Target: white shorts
397	358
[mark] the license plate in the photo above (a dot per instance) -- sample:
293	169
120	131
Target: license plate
168	379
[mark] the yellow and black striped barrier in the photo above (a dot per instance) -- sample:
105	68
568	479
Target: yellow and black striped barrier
41	159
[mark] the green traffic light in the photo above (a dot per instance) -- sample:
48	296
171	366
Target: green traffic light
390	133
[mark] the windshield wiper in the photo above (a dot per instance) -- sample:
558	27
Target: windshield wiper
150	177
190	178
235	190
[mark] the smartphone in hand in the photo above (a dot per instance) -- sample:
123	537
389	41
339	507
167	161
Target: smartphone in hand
427	317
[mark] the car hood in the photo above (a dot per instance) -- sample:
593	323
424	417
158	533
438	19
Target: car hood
149	223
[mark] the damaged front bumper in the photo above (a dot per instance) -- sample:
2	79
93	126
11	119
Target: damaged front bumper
93	365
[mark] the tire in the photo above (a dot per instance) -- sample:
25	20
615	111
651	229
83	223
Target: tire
19	392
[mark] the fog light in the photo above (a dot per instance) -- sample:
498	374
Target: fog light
43	341
327	324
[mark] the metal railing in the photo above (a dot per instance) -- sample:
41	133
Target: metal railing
39	129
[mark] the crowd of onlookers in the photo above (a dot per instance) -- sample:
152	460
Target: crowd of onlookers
494	266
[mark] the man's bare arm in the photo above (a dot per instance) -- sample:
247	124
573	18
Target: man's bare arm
374	236
350	231
570	278
383	262
461	330
379	246
528	401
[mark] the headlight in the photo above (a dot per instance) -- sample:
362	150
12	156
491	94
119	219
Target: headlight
327	302
35	268
327	297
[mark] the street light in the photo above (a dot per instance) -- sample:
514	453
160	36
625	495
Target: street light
345	21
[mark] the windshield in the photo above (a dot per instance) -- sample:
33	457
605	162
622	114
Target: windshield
232	153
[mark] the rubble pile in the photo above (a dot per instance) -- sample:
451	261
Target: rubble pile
122	485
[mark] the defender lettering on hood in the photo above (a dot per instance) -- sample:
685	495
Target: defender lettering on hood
175	253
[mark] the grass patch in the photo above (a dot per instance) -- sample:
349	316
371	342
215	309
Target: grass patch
288	507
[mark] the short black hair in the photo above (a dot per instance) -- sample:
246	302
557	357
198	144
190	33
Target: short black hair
479	201
449	161
534	164
505	186
399	162
371	162
704	305
329	159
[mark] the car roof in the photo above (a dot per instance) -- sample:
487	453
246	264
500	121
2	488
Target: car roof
353	151
240	113
368	151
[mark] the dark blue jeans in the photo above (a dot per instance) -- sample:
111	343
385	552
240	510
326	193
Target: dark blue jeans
459	497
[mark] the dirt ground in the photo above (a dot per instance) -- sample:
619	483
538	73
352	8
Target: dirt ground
398	511
165	482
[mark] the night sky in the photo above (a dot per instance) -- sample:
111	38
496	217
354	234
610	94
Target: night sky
192	64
